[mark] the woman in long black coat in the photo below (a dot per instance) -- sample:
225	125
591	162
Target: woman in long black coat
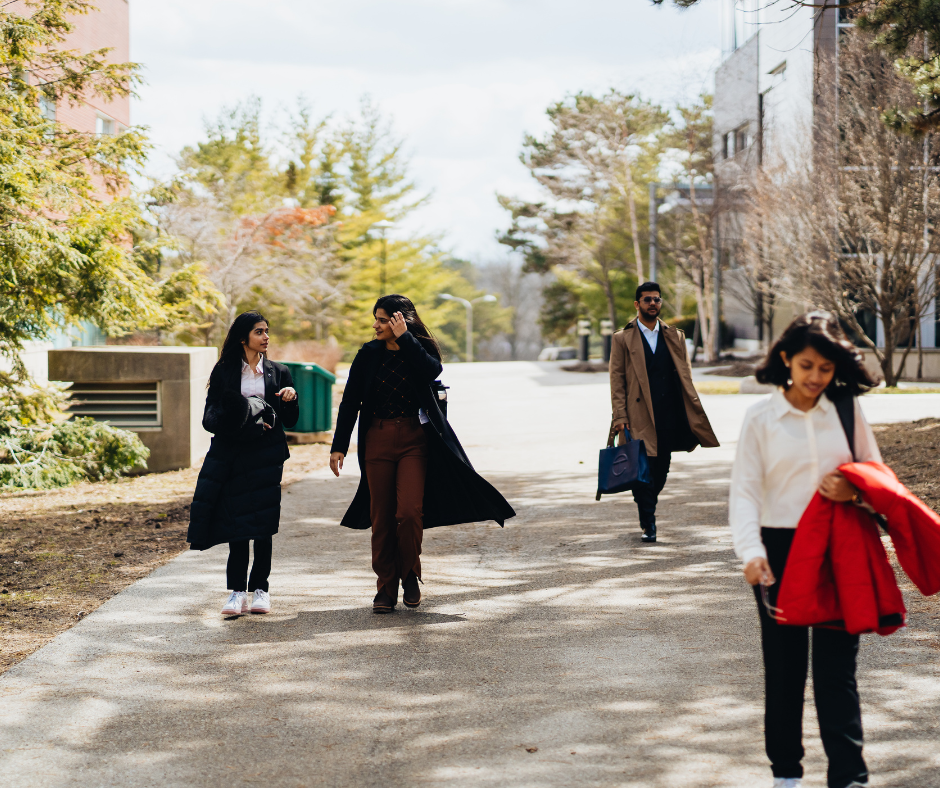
407	450
250	402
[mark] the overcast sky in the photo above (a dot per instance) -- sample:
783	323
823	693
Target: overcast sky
462	80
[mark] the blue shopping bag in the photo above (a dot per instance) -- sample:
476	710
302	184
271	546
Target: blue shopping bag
619	468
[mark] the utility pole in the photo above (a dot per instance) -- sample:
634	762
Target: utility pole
716	279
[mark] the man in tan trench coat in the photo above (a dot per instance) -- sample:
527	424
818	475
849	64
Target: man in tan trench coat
652	396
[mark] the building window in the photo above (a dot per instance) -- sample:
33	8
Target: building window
735	141
104	125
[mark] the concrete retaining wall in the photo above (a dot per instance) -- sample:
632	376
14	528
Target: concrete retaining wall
182	373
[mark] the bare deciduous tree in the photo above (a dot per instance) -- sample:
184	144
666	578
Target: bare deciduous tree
286	250
688	229
521	292
854	226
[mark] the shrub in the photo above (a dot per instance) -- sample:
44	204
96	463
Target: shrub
55	455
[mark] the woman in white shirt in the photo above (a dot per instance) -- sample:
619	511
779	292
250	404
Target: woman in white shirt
791	445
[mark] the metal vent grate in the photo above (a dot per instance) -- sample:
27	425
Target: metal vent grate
134	405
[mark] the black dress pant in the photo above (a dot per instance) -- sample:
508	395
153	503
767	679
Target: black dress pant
236	570
647	495
786	658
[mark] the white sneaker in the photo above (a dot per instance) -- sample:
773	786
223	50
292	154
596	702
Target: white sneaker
236	605
261	603
787	782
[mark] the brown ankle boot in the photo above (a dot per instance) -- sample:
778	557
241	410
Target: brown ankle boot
411	594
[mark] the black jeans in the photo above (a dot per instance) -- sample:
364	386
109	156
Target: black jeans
647	495
237	568
834	688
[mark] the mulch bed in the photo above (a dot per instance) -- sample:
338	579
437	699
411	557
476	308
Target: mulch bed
911	450
65	552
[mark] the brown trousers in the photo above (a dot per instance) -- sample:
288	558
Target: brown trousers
396	464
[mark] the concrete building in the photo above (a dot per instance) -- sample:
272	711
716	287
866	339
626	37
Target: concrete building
157	392
763	112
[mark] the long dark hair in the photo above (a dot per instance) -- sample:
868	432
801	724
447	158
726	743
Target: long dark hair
233	349
398	303
822	332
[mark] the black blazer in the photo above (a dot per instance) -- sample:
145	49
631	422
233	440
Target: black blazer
227	410
453	491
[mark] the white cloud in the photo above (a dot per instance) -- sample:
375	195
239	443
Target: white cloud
463	81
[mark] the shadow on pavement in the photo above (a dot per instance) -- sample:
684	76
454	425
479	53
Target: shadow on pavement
558	651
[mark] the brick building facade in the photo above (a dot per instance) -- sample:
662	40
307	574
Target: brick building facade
106	28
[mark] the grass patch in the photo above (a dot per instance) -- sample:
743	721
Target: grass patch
913	390
718	387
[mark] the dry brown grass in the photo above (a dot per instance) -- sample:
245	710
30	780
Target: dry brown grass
65	552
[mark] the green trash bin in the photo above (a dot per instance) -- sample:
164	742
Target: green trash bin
314	387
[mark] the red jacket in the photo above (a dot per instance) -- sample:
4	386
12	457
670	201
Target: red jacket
838	574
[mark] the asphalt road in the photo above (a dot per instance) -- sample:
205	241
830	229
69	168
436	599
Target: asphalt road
558	651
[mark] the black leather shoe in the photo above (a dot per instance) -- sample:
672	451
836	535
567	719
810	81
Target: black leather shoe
649	533
383	603
411	594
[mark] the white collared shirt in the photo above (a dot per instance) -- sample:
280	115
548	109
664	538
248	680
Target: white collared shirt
651	334
782	455
253	379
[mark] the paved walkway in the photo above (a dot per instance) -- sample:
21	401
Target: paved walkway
558	651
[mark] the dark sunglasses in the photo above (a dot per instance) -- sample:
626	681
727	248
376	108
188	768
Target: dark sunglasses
652	300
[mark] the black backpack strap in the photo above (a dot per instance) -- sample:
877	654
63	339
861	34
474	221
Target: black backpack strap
845	407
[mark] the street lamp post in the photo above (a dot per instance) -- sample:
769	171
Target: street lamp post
584	340
607	331
383	227
469	306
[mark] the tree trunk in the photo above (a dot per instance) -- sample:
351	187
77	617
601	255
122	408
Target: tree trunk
920	349
887	359
705	321
634	226
770	319
703	298
611	303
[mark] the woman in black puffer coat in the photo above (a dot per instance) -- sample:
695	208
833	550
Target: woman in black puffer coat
250	402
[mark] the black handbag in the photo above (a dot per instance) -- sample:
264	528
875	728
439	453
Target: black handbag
619	468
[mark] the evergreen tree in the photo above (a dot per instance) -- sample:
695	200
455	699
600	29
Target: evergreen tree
66	251
594	167
289	225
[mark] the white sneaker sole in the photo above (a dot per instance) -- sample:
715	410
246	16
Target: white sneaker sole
259	610
229	613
